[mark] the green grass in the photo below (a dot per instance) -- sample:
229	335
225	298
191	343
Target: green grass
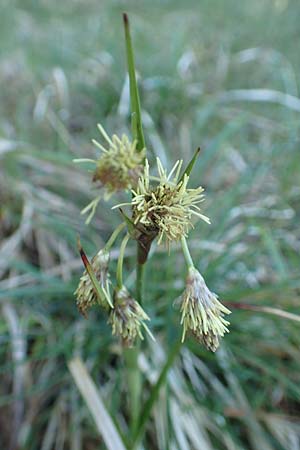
62	70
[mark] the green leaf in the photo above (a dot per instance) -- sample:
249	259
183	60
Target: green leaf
136	120
190	165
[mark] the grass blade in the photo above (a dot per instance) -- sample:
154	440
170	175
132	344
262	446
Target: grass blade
136	120
265	309
190	165
91	395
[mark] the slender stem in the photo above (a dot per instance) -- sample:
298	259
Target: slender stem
131	357
114	236
134	381
119	275
186	252
155	392
140	268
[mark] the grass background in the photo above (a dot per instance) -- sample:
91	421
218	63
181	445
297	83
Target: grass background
220	74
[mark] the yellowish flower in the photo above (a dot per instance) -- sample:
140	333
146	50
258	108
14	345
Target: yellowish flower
166	206
201	312
85	293
127	318
118	168
120	165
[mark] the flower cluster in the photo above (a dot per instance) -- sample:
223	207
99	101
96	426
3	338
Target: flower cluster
127	318
166	206
118	168
120	165
162	207
202	313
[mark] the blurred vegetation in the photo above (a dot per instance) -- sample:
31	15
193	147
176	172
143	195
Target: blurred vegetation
220	74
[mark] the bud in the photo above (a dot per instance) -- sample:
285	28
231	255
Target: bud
127	318
201	312
86	293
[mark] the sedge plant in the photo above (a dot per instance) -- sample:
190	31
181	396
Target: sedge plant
161	206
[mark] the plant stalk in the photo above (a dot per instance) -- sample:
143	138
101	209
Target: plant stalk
120	262
131	355
114	236
186	252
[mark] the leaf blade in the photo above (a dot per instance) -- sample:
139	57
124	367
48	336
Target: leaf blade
136	118
90	394
190	165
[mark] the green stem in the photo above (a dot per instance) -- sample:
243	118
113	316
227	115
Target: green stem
114	236
119	275
139	282
134	381
186	252
154	393
131	355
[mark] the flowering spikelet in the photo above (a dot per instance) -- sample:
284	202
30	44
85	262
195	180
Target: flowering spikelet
120	165
202	313
167	207
85	293
127	318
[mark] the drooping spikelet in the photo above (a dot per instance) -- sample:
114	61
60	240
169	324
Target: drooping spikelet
86	293
127	318
201	312
120	165
167	205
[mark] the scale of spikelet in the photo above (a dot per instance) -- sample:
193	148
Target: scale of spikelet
85	293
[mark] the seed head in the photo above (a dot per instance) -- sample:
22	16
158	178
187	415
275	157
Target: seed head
201	312
166	207
127	318
120	165
85	293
